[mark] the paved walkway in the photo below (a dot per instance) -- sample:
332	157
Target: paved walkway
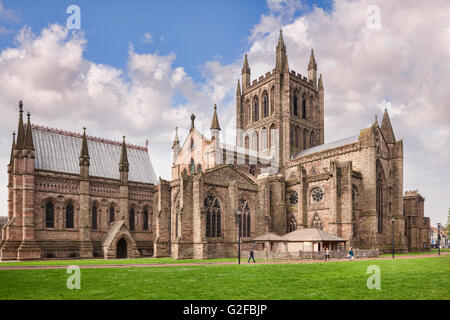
243	261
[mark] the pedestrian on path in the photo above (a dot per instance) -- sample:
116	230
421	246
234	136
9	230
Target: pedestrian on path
350	254
327	254
251	257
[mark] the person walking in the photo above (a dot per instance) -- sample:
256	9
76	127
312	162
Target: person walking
251	256
350	254
327	254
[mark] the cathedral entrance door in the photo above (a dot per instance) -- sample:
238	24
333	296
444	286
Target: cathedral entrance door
122	249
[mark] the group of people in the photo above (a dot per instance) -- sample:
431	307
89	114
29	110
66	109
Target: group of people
350	254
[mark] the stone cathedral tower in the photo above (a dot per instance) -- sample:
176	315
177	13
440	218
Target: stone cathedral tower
282	112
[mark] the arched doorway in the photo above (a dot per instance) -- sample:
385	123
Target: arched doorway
122	249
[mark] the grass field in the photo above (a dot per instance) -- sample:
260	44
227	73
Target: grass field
90	262
418	278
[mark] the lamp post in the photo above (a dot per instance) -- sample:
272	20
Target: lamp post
238	213
393	220
439	239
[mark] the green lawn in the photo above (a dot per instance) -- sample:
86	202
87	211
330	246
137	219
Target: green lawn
86	262
421	278
418	253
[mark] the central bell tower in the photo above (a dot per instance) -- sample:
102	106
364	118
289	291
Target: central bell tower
281	113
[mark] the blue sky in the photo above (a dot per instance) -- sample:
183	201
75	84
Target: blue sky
196	31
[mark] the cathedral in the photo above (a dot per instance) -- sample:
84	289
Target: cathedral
71	195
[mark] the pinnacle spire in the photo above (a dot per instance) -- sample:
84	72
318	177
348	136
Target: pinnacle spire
215	121
238	90
386	128
312	61
245	67
84	155
320	82
281	44
176	140
13	146
123	164
282	64
20	131
192	121
29	145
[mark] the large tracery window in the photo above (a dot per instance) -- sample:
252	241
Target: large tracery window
111	214
177	217
304	107
245	217
94	217
132	217
266	104
145	224
49	215
69	216
255	110
213	213
295	111
316	221
380	197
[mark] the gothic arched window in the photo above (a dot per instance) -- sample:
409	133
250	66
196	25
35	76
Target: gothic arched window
245	217
255	141
213	213
304	107
111	214
263	139
272	136
49	215
132	218
69	216
295	111
291	224
177	217
145	224
380	197
316	221
266	104
255	110
312	139
272	100
94	217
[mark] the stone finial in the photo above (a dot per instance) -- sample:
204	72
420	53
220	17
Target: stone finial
192	121
176	140
245	66
29	144
312	61
215	120
123	164
13	146
20	131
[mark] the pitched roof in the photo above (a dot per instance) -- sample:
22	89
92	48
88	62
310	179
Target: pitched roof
59	151
311	234
327	146
269	237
